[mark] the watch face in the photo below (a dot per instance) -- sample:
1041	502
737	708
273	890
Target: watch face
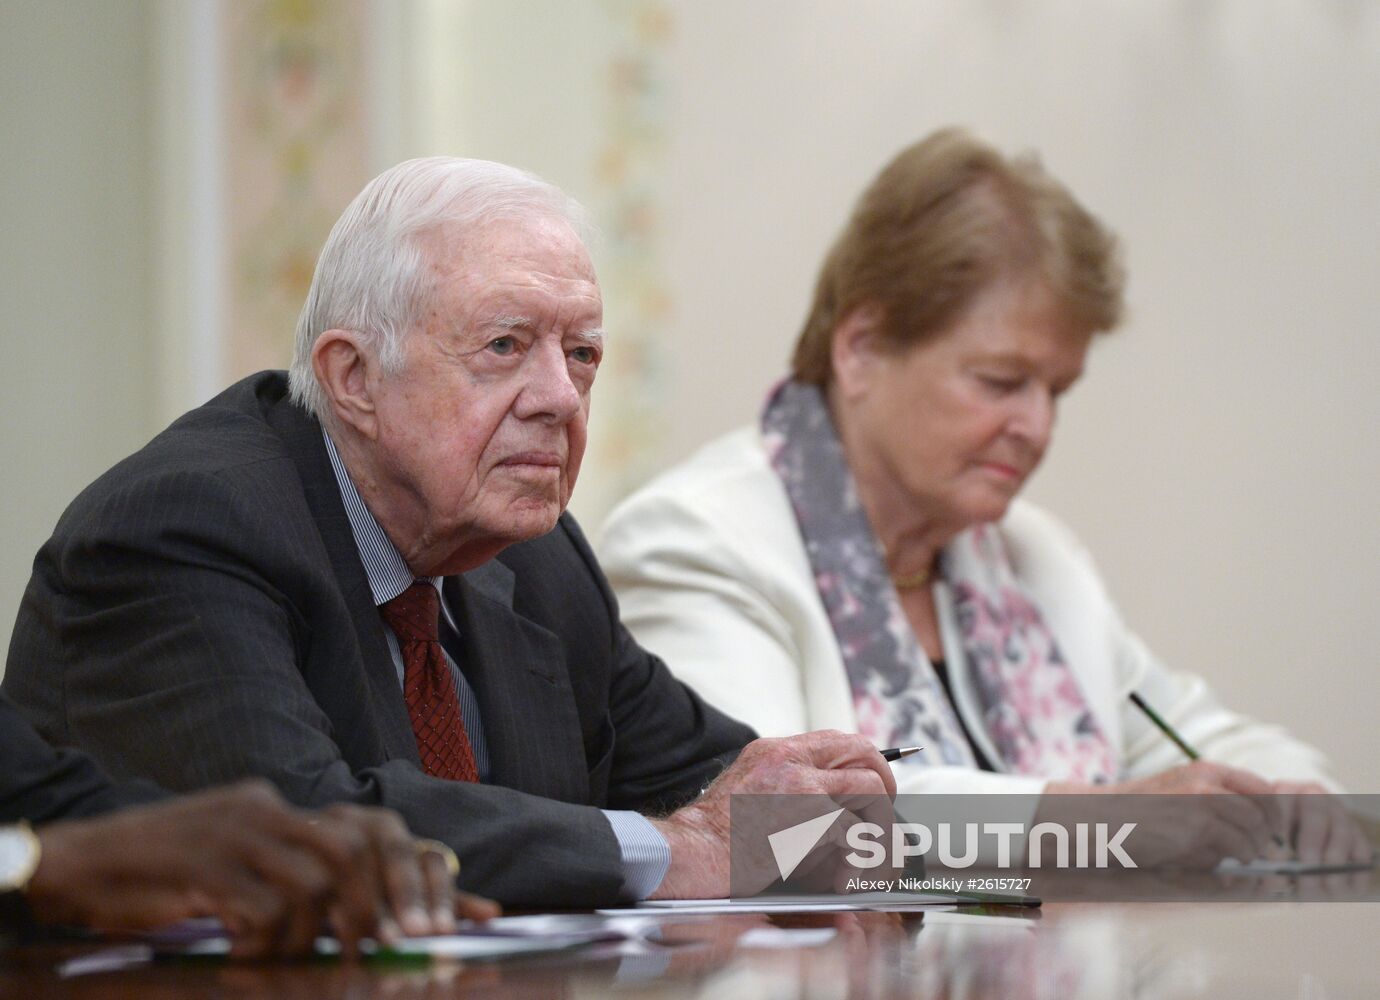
17	855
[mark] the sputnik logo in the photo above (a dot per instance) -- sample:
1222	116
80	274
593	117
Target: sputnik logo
790	845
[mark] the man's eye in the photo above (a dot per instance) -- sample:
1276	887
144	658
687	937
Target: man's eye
584	355
502	345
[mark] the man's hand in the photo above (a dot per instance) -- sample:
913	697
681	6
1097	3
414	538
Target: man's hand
839	765
272	874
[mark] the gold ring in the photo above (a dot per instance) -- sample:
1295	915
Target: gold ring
443	851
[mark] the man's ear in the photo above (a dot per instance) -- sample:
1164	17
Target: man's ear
345	372
856	349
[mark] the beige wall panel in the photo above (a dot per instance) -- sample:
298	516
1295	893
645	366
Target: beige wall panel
76	390
1222	458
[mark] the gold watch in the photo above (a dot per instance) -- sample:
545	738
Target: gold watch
19	854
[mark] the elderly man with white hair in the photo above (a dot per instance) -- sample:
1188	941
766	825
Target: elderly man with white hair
358	580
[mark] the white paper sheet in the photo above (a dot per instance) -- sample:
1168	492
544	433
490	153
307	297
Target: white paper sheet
824	901
1262	866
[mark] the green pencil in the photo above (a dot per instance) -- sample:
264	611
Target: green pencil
1165	727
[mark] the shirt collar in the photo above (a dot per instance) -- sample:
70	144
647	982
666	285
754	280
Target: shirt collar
383	563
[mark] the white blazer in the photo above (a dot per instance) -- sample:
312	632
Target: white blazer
712	575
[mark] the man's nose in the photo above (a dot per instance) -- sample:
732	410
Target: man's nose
549	392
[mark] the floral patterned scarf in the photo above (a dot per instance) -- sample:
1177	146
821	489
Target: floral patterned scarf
1029	700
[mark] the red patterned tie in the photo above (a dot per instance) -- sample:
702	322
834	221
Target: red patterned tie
428	686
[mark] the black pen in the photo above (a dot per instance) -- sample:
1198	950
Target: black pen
1165	727
896	753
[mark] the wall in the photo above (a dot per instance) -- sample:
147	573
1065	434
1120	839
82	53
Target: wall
1221	458
75	385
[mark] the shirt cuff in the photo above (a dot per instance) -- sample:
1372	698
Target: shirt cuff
646	855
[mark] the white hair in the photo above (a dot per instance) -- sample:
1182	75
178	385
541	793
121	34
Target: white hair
371	275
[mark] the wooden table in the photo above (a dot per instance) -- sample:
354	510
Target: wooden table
1310	951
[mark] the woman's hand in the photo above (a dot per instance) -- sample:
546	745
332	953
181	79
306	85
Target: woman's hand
1194	815
1240	815
1319	826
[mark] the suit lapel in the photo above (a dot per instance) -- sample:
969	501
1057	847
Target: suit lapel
517	670
302	436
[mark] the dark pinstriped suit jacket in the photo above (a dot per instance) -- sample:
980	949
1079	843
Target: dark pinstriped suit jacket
40	783
201	614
